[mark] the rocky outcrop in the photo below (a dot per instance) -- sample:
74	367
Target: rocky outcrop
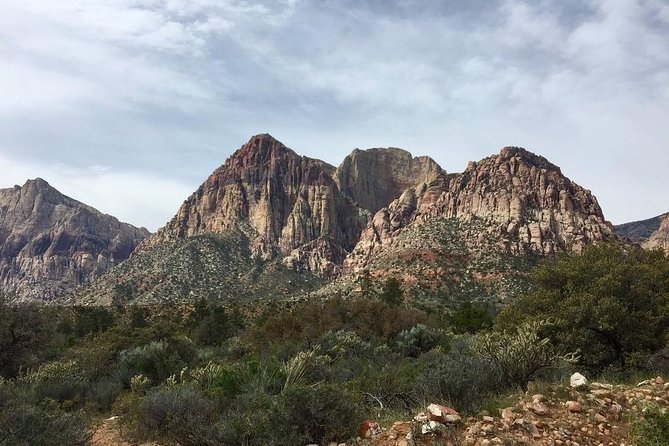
519	196
374	178
650	234
284	203
601	414
660	237
50	242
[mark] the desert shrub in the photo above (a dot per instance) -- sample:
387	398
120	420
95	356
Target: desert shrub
59	381
104	392
344	344
419	339
318	414
23	424
459	377
653	428
521	355
157	360
178	415
92	320
252	421
304	324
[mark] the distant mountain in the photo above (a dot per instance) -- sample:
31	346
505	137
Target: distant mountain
272	223
50	243
650	233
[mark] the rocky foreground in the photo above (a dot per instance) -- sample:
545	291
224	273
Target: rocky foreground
596	414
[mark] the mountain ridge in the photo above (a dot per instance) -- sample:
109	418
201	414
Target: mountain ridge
297	215
50	243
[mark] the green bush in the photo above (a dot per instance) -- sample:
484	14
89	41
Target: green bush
45	425
520	356
653	428
459	377
419	339
157	360
178	415
318	414
610	303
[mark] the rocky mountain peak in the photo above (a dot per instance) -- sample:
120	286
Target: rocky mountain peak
284	203
511	152
522	199
50	242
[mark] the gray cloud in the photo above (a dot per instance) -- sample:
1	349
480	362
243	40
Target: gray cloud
165	90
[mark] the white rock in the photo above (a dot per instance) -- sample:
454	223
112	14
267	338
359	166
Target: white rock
430	427
577	380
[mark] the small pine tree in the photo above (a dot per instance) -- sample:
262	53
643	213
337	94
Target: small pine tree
392	291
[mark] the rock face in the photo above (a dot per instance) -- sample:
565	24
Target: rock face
659	238
284	203
650	234
374	178
520	197
50	242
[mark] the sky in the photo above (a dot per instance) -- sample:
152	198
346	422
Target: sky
128	105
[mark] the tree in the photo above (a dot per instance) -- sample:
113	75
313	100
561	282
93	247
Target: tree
611	303
470	318
392	291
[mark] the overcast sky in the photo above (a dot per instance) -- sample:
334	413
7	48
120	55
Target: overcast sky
128	105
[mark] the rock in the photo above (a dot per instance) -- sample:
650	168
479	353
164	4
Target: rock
369	429
422	417
51	243
600	418
508	415
430	427
505	192
291	203
539	408
659	380
578	381
651	233
574	407
374	178
538	398
442	414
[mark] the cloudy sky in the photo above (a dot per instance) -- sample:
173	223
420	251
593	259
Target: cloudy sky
128	105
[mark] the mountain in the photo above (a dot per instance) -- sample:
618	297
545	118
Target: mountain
374	178
272	223
650	233
50	242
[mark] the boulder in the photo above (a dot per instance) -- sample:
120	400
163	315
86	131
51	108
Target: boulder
578	381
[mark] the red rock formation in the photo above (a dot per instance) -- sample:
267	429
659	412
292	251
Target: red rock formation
286	204
520	196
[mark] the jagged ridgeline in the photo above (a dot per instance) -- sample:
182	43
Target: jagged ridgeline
50	243
270	223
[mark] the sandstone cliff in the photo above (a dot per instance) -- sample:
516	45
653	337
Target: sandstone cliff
519	197
374	178
284	203
50	242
